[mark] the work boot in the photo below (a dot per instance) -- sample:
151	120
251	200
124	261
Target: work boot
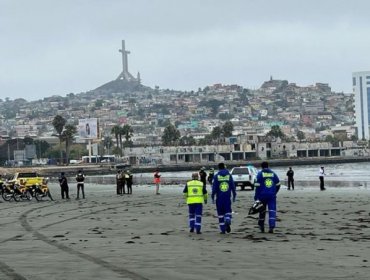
228	228
191	229
262	229
271	230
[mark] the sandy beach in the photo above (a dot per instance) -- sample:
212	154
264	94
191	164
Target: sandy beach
319	235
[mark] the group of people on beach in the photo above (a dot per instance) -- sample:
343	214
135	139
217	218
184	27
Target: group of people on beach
124	178
267	186
64	187
290	176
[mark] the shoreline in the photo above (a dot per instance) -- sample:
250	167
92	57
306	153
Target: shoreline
106	169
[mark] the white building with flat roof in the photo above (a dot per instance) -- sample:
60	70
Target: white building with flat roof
361	90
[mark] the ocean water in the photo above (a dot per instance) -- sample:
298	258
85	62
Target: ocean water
337	175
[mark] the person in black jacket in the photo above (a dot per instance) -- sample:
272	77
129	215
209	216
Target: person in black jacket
211	174
128	179
120	182
290	175
203	176
64	186
80	178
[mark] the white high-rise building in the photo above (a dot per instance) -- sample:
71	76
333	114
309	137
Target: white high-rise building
361	90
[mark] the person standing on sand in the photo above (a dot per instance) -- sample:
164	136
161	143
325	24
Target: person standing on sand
195	193
128	179
119	182
267	185
222	188
64	186
290	175
203	175
80	178
321	177
157	181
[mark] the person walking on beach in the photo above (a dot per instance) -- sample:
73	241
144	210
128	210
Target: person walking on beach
157	181
321	177
203	175
290	175
267	185
211	174
128	179
195	193
64	186
80	178
222	188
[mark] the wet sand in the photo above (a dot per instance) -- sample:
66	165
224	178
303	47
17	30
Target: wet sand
319	235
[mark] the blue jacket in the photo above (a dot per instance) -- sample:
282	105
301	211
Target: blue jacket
223	186
267	184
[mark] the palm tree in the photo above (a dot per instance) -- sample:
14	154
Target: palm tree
107	143
116	131
68	136
127	132
59	123
120	137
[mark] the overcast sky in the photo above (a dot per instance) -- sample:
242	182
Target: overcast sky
50	47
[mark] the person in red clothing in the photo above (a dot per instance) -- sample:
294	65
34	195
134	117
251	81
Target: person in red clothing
157	181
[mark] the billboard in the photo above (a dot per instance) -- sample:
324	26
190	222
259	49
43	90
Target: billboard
88	128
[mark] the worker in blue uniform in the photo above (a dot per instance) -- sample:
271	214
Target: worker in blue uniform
195	193
222	188
267	185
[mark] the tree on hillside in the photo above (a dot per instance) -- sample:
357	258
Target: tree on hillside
300	135
227	129
187	141
276	132
207	140
170	135
68	136
58	124
217	133
214	104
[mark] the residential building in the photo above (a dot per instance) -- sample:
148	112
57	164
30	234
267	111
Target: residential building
361	89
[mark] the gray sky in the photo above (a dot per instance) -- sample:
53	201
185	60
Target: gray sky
52	47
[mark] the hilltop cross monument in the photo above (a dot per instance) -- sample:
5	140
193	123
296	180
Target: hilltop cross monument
126	75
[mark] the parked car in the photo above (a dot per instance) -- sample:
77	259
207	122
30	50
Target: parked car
26	179
244	176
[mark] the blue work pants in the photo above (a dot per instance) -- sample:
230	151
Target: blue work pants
195	216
